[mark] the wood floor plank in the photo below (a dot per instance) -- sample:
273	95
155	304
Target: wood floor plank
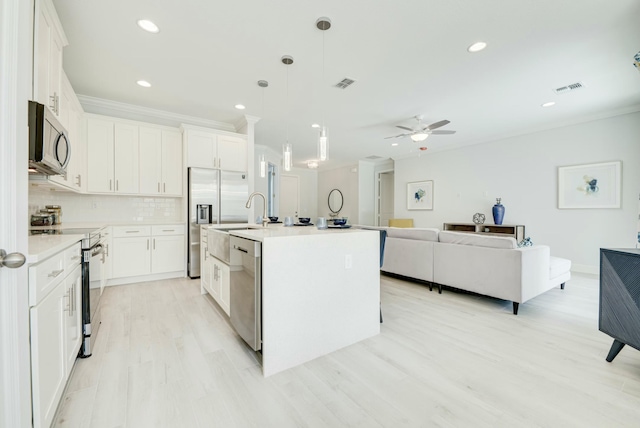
167	356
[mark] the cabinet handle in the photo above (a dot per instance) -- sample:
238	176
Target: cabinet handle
164	188
116	185
132	231
73	299
79	182
147	244
168	230
219	163
206	251
55	273
154	243
76	257
68	308
106	248
158	187
110	182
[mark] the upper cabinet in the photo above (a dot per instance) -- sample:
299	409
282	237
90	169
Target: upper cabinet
133	158
49	40
215	149
160	162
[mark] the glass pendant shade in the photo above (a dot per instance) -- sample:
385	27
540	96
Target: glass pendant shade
263	167
419	137
323	145
287	156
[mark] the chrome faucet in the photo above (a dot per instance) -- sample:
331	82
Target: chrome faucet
265	219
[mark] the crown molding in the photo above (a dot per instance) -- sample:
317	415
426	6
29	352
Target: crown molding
134	112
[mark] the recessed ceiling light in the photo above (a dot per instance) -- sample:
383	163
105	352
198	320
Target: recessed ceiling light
477	47
144	83
240	106
147	25
394	144
315	125
549	104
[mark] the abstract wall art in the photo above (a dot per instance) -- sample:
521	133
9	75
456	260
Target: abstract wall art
420	195
595	185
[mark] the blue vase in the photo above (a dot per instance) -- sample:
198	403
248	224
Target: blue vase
498	212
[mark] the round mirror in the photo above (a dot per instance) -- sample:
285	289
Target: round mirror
335	201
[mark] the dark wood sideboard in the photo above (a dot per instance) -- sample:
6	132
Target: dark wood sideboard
620	298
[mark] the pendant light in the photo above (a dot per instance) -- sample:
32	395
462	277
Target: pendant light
263	163
287	152
323	25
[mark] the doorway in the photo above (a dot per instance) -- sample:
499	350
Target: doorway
384	198
289	195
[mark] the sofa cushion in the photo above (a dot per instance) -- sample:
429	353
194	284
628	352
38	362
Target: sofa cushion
419	234
558	266
478	240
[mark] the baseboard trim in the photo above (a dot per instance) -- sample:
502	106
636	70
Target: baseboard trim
592	270
144	278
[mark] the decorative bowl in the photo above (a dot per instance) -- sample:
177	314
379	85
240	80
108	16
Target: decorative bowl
339	221
304	219
273	218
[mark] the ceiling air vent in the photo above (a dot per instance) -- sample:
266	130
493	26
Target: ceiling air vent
569	88
373	157
345	83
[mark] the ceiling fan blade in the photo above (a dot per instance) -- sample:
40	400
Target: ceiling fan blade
396	136
437	125
404	127
443	132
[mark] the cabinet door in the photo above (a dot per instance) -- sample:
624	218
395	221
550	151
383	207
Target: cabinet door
55	70
171	163
232	153
41	56
100	156
151	152
48	374
126	147
131	256
224	274
167	254
76	177
72	317
201	149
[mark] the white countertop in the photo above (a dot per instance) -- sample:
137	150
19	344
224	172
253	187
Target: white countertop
280	231
42	247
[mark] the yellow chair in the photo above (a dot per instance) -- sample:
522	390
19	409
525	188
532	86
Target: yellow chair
400	222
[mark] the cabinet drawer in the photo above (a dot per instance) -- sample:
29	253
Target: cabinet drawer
131	231
72	258
44	277
176	229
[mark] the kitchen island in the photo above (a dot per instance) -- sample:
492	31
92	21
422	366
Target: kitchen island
320	291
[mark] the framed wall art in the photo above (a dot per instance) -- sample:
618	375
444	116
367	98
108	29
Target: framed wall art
420	195
595	185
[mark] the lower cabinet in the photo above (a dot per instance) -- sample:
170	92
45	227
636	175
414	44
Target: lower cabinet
147	250
218	280
55	329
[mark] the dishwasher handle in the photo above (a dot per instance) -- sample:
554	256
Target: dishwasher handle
235	247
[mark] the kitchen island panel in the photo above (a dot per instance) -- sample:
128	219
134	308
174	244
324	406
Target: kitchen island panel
320	293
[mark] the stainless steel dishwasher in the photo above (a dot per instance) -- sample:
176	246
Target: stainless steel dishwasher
246	290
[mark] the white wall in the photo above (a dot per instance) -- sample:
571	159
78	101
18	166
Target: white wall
523	172
346	180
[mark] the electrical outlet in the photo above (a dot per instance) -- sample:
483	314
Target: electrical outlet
347	261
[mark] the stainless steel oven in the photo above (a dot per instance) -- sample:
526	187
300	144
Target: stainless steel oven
93	260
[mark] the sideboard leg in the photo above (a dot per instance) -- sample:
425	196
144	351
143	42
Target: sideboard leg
515	308
615	349
430	286
562	286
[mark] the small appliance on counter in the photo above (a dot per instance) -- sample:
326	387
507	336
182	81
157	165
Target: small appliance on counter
41	219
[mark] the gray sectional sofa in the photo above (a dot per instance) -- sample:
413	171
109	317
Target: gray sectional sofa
485	264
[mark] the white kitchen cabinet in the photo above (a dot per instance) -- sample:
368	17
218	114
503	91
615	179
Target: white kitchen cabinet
144	250
167	249
112	157
160	162
219	275
49	40
55	328
210	149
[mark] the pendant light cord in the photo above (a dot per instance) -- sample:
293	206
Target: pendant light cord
324	104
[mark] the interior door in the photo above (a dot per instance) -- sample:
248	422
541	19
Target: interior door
289	196
385	198
16	19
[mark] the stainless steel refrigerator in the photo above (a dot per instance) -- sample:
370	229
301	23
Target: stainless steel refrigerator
215	197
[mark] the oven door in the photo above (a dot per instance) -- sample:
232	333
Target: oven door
92	274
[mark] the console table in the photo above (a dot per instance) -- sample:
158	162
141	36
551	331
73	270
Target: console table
515	231
620	298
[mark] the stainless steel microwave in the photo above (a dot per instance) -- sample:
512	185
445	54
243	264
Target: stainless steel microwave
49	148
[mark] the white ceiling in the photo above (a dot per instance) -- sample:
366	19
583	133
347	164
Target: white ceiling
408	57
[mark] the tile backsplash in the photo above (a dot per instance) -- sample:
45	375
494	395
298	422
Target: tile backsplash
82	208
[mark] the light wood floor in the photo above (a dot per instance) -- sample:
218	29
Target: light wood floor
166	356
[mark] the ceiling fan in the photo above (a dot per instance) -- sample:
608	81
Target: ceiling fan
420	132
